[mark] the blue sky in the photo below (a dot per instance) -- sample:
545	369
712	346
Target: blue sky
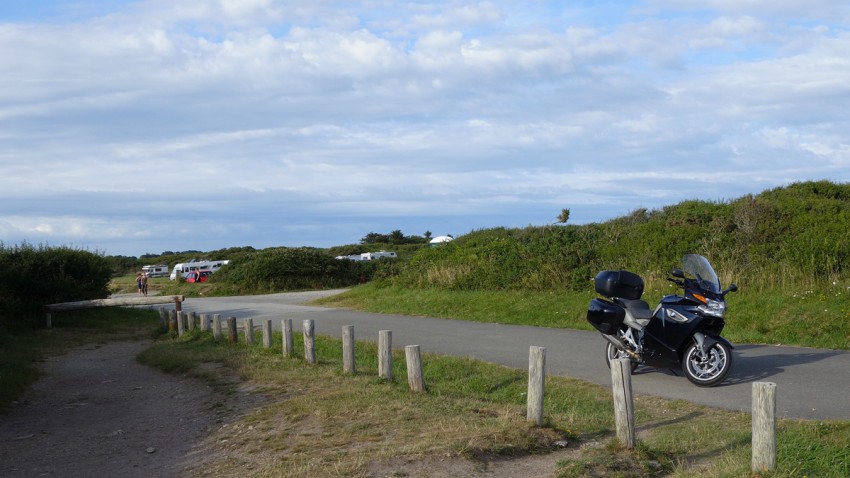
133	127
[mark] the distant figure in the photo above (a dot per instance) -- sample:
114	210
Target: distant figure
144	284
139	283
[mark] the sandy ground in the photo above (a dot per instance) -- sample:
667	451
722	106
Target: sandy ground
98	412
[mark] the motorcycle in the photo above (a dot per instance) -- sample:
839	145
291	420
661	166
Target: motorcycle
683	330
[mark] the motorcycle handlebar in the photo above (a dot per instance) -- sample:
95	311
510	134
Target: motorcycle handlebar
676	281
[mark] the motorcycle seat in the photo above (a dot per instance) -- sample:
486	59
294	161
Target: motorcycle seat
638	309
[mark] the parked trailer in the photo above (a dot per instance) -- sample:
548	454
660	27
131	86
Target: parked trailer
158	270
184	268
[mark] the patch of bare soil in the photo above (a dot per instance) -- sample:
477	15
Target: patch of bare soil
98	412
460	467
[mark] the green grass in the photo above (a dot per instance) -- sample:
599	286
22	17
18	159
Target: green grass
323	421
804	318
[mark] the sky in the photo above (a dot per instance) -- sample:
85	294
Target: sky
137	127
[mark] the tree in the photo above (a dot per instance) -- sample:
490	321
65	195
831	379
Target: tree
564	216
396	237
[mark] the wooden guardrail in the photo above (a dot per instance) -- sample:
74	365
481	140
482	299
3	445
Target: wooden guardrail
50	309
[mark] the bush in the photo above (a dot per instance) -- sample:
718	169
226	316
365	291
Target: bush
797	232
281	269
31	277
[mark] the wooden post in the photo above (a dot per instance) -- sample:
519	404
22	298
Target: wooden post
248	326
267	334
181	326
163	319
172	321
216	326
764	427
385	354
178	309
231	330
536	384
286	326
48	320
193	319
415	378
624	406
348	349
205	323
309	328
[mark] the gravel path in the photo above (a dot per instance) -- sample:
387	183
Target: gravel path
98	412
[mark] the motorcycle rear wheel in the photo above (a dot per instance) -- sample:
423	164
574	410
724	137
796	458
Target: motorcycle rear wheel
612	353
710	370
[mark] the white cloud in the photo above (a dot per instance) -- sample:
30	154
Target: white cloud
295	115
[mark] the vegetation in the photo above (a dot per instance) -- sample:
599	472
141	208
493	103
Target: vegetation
795	235
787	248
31	277
336	425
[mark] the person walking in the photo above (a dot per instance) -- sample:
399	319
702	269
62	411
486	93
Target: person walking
139	283
144	284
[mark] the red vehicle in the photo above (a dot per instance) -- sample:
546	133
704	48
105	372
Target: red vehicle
198	276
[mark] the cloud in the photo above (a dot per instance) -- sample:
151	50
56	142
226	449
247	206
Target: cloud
270	122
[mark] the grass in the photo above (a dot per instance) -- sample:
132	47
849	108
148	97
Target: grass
321	422
776	316
126	284
317	421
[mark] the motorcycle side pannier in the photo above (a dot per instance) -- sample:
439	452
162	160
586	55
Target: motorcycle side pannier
622	284
606	316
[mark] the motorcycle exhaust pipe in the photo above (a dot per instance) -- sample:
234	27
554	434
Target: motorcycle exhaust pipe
621	347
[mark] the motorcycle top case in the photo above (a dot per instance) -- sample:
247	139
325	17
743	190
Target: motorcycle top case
622	284
606	316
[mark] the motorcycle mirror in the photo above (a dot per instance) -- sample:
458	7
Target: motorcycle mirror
678	273
733	288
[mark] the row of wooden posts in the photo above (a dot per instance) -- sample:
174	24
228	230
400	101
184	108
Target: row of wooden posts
763	398
763	408
182	323
763	415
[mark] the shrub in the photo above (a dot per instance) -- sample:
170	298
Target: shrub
280	269
31	277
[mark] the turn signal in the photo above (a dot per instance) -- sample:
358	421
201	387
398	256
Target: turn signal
700	298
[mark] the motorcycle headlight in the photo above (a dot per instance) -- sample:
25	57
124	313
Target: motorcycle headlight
714	308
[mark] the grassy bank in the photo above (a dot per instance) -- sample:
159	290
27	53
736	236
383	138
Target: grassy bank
811	318
320	422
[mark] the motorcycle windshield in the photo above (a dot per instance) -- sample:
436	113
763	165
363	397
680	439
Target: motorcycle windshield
697	267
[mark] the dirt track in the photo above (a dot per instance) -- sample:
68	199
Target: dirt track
98	412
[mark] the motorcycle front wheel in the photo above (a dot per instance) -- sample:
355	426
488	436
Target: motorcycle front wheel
710	369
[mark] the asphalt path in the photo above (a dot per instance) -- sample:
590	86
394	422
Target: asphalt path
811	383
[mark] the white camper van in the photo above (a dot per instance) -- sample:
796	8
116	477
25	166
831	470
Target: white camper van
158	270
184	268
372	256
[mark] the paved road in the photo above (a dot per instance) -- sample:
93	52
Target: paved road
811	383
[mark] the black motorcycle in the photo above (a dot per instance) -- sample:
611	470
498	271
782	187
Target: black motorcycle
683	330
